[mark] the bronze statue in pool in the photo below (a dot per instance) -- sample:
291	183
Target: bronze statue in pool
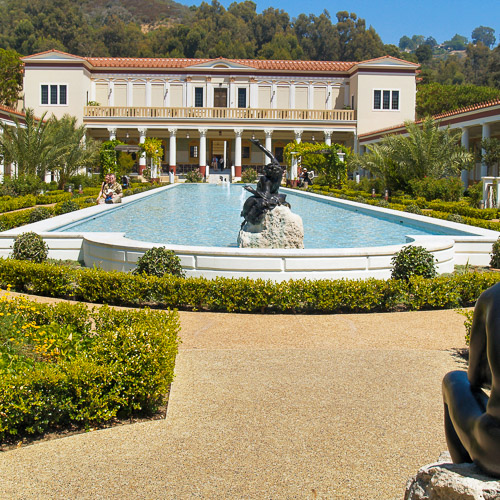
266	196
472	418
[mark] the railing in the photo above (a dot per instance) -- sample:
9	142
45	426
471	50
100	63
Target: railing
220	113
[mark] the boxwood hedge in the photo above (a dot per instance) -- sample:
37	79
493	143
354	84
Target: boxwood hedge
245	295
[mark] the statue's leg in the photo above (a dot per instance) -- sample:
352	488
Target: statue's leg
462	409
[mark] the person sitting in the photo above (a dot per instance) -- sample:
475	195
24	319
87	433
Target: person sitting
111	191
472	419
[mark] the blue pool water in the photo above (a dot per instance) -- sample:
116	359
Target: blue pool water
209	215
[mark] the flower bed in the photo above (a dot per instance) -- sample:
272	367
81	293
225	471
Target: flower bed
68	365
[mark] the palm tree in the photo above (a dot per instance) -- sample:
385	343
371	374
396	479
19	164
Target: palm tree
426	151
75	151
28	145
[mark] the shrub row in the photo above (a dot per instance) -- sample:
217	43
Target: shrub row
244	295
100	364
21	218
438	209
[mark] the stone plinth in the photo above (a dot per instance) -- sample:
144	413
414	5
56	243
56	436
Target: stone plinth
445	480
280	228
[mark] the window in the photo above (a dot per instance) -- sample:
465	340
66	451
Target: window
245	152
242	98
198	97
193	151
386	99
54	95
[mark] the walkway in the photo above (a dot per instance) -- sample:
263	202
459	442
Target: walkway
269	407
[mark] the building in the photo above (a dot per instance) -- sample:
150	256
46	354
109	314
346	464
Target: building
477	122
206	109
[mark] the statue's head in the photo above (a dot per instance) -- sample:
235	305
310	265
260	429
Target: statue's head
273	171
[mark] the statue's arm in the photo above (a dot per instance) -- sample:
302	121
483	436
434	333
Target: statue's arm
265	151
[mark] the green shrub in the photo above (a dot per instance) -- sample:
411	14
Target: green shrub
360	199
249	176
413	209
383	203
194	176
449	189
30	246
21	185
468	315
159	261
244	294
495	255
39	213
413	261
455	218
67	206
85	366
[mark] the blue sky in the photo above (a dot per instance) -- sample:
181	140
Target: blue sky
393	18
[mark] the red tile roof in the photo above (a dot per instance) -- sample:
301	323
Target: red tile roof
129	62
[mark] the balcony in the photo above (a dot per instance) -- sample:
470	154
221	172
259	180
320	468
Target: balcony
243	114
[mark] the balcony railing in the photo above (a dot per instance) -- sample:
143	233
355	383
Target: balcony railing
220	113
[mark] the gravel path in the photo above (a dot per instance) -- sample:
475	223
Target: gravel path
269	407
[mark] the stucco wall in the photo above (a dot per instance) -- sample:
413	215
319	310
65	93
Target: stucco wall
78	84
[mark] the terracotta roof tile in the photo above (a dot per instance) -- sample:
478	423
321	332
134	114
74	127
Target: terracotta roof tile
128	62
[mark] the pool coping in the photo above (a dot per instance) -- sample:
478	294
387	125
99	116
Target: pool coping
113	251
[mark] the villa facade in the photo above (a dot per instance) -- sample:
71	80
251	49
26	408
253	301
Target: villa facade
206	109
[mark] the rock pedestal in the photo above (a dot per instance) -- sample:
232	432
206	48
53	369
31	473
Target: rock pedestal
280	228
446	480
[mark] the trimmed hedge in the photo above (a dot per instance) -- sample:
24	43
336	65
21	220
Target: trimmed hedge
437	209
245	295
112	364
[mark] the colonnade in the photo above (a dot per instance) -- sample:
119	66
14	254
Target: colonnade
202	152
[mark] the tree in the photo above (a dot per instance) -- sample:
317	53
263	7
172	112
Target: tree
75	151
490	151
476	64
322	158
431	42
423	53
406	43
426	151
11	77
485	35
458	42
434	98
29	145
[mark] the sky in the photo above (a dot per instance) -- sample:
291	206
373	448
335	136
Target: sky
392	19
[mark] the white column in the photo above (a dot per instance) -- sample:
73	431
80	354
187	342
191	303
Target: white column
173	147
142	138
269	142
232	96
292	95
130	93
465	144
112	133
189	93
92	92
310	96
298	138
203	148
328	137
148	94
486	132
237	147
355	143
210	94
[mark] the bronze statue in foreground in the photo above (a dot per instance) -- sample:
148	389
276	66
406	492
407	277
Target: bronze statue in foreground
266	196
472	419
